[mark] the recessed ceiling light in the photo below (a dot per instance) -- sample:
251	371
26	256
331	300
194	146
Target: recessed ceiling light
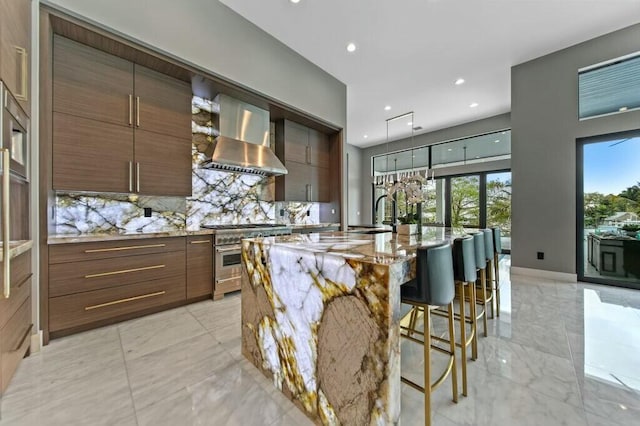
477	156
622	109
366	136
473	105
504	133
295	1
351	47
387	108
459	81
450	149
496	141
410	123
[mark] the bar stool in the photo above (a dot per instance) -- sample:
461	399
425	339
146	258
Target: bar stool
497	245
489	252
481	265
433	286
465	275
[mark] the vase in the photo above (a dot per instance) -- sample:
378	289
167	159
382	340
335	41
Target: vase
409	229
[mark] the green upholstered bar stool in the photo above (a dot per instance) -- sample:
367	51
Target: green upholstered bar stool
433	286
489	250
497	250
483	297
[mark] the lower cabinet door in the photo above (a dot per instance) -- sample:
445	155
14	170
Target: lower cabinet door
199	266
14	341
92	306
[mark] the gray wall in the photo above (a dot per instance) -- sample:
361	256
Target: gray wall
487	125
545	127
209	35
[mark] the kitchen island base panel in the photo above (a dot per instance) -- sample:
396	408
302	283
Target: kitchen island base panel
325	329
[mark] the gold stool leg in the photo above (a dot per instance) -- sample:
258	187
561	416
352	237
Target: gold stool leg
474	320
452	346
427	367
496	265
483	282
489	270
463	337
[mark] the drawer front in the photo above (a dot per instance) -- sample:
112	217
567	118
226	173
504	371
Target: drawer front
85	308
76	277
15	340
199	266
20	286
75	252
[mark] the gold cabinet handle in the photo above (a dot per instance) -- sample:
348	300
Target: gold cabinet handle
137	177
24	77
124	248
6	224
130	176
128	299
201	242
138	111
307	154
28	277
24	337
124	271
130	109
227	279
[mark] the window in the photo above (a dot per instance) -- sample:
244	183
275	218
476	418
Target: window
609	88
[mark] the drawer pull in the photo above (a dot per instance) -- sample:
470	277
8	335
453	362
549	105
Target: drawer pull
124	248
224	280
124	271
28	277
128	299
201	242
24	337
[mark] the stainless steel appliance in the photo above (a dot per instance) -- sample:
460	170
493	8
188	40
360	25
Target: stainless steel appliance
243	143
15	136
227	261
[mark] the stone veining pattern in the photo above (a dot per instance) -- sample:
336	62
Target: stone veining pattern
300	312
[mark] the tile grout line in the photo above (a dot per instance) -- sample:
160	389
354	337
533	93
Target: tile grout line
126	370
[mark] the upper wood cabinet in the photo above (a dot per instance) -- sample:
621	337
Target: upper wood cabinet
15	47
118	126
306	153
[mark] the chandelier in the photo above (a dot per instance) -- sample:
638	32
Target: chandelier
415	183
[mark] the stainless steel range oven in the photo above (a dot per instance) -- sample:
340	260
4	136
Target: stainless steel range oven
227	259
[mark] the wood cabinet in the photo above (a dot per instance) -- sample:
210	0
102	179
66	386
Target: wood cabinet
306	153
91	284
15	319
199	266
15	47
118	126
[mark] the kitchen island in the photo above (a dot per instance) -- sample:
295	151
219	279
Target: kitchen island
321	317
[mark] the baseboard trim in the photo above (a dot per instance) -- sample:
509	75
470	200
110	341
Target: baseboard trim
36	342
541	273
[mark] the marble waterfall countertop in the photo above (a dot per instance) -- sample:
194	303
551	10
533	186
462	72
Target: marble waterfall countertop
321	317
88	238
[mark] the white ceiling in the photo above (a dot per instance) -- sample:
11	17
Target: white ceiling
410	52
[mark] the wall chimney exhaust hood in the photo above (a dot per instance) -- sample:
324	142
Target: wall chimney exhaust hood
243	144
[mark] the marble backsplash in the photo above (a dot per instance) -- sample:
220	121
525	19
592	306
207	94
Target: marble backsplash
218	198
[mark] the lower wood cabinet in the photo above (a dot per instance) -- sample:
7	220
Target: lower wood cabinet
199	266
91	284
15	318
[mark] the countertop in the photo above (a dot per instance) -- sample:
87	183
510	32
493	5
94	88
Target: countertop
87	238
383	248
16	248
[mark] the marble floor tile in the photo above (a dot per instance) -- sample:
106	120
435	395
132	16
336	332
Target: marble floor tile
102	398
227	397
158	375
293	417
148	334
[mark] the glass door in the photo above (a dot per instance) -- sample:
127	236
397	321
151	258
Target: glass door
498	205
465	201
608	202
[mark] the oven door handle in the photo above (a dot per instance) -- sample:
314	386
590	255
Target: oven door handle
223	250
227	279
